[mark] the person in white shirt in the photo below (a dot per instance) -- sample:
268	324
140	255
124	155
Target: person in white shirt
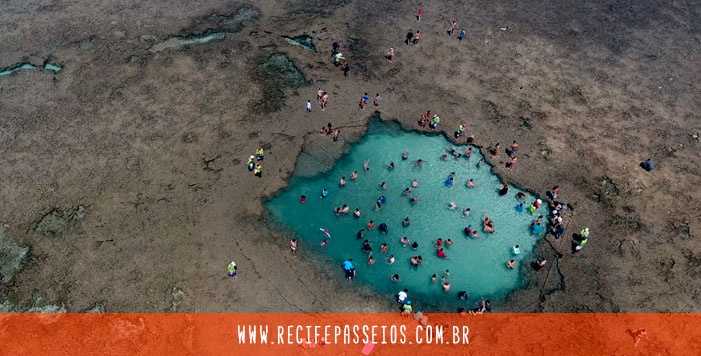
402	296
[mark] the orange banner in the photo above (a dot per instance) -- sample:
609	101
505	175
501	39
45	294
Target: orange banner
352	334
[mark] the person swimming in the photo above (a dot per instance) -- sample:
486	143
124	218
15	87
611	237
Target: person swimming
445	284
384	248
382	200
390	260
366	246
360	234
452	205
406	191
516	250
468	153
448	182
303	199
371	225
342	182
468	230
487	223
466	212
383	228
377	206
395	278
503	189
414	200
354	175
510	264
391	166
439	242
405	155
405	223
419	163
414	245
414	183
470	183
356	213
440	253
371	261
449	242
366	165
462	295
519	207
405	241
383	186
324	193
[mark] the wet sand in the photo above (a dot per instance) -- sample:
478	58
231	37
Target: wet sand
153	145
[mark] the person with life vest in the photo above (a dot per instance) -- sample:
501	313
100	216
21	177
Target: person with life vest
337	58
258	171
251	163
584	236
460	131
435	121
259	153
407	308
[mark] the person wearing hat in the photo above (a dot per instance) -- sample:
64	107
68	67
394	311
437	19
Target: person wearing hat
259	153
232	269
251	165
258	171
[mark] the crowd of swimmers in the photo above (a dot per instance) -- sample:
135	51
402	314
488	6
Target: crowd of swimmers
556	226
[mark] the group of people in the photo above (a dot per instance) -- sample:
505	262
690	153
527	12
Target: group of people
254	162
432	121
329	130
428	120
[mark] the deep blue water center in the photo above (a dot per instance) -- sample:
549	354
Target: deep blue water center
476	265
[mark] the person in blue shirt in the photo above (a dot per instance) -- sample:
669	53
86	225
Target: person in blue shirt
648	165
462	34
519	208
348	267
324	193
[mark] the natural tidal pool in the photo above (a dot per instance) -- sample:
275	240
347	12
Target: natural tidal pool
476	265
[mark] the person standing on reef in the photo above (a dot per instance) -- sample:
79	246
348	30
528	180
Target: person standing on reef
309	106
461	35
258	171
417	37
453	27
232	269
376	102
421	12
324	101
319	94
409	36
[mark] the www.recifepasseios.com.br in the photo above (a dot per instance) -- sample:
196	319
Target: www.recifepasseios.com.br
352	334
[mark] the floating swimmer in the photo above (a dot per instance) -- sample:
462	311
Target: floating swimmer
452	205
325	232
488	224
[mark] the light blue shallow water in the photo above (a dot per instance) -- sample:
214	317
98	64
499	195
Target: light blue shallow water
476	265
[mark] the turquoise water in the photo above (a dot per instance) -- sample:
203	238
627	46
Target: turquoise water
17	67
27	66
475	265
